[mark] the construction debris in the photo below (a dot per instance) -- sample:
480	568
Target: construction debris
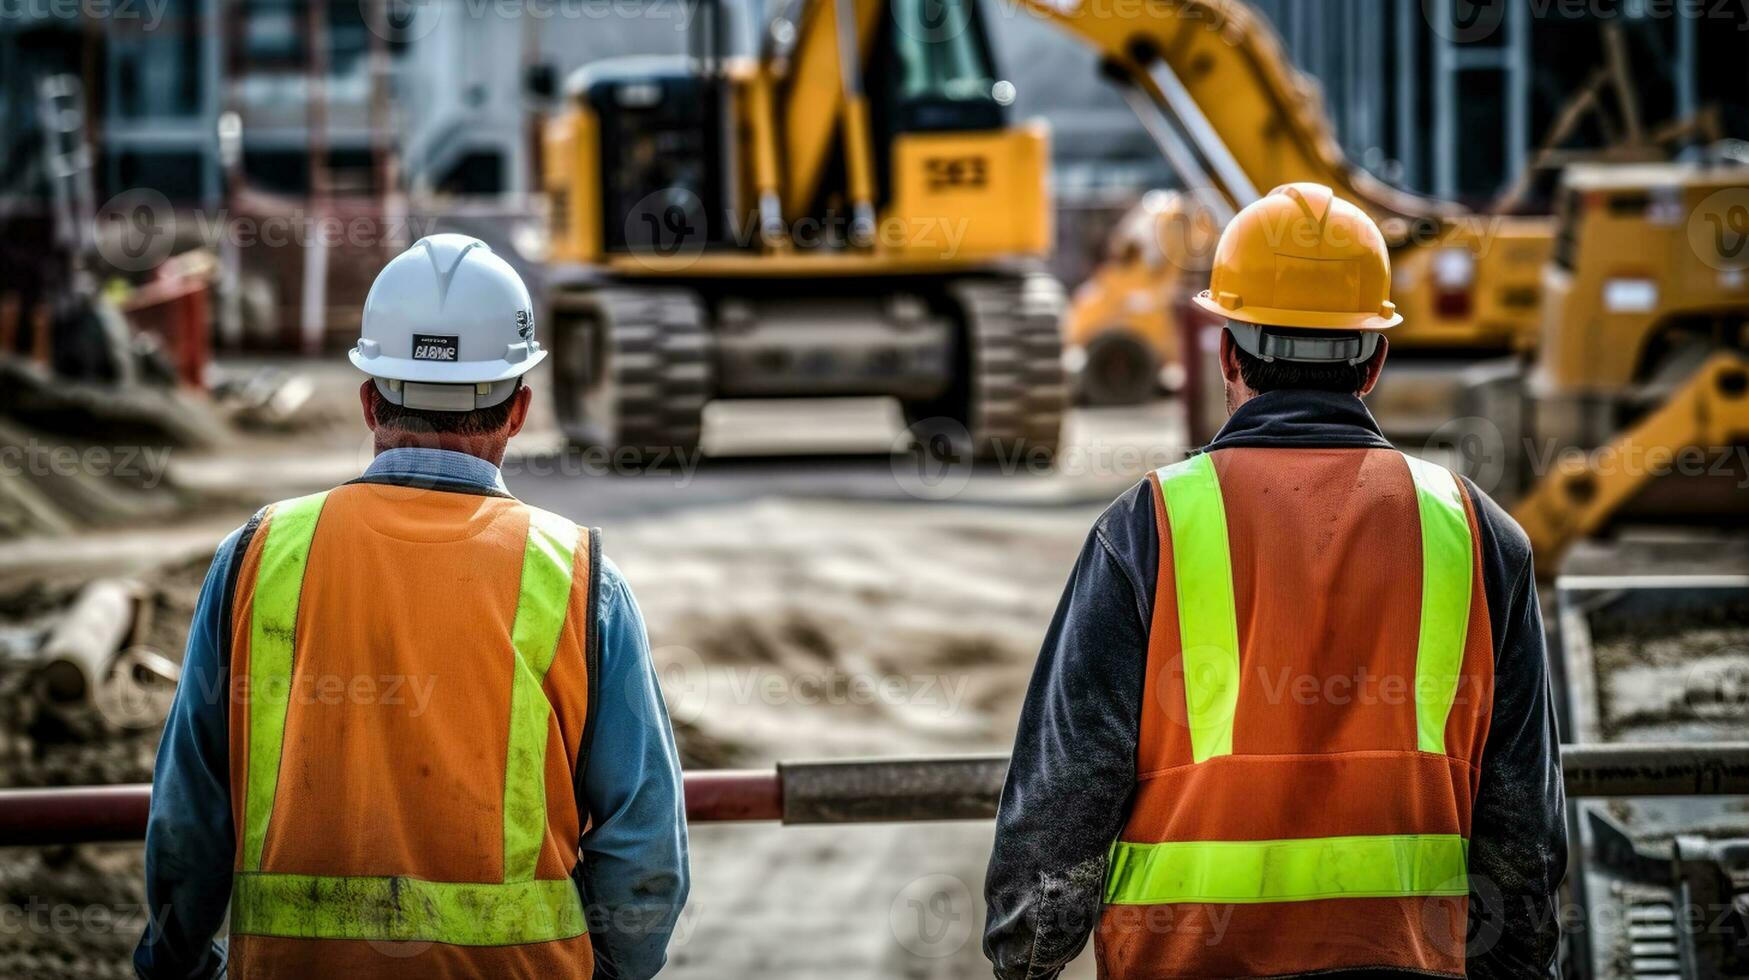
81	647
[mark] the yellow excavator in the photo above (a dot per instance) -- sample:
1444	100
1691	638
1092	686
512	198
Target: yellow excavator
1122	337
851	212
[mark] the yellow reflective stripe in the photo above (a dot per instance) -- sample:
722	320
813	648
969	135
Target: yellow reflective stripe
1446	574
289	527
1244	872
406	909
1208	631
541	604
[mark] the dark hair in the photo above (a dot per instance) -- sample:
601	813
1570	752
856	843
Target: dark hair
1277	375
478	422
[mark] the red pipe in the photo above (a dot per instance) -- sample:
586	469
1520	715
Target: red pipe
79	814
734	794
71	814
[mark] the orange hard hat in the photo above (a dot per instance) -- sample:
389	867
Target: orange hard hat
1301	257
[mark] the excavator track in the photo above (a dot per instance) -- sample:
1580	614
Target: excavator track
1017	391
633	369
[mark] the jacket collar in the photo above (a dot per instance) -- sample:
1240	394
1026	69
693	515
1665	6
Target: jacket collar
1301	419
437	469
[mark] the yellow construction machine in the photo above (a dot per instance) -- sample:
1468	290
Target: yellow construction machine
852	212
849	213
1212	83
1649	275
1695	436
1635	407
1121	331
1466	283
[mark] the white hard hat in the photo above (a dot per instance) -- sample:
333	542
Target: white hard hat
448	326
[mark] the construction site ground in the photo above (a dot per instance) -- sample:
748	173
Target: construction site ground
810	593
845	602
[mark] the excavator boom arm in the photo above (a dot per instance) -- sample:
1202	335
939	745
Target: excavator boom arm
1709	412
1189	57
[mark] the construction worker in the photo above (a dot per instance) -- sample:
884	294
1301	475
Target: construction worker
410	703
1292	717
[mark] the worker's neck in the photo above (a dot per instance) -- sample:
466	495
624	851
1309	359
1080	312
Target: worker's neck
487	447
1238	393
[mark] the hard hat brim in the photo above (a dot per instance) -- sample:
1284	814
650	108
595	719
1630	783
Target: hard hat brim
436	372
1303	319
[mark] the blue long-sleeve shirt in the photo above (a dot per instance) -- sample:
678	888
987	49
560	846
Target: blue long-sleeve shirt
633	874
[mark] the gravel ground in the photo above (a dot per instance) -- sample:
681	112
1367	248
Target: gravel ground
73	912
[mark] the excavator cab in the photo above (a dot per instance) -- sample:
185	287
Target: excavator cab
847	212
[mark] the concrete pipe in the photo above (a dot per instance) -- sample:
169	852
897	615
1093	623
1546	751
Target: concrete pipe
77	653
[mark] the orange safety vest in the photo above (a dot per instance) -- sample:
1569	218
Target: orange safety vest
410	698
1319	685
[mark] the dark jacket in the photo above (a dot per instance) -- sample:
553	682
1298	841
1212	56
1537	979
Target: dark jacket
1074	766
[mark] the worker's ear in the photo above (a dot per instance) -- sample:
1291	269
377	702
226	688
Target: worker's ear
367	397
1374	366
519	403
1230	358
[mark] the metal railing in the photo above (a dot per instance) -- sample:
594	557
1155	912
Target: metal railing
886	790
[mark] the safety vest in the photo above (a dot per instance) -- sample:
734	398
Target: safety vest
411	684
1318	691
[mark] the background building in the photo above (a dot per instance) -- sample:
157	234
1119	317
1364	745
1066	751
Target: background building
1442	96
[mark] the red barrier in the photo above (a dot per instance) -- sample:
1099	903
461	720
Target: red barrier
74	814
734	794
81	814
175	310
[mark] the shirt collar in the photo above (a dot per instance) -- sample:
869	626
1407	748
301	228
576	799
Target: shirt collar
418	463
1305	419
